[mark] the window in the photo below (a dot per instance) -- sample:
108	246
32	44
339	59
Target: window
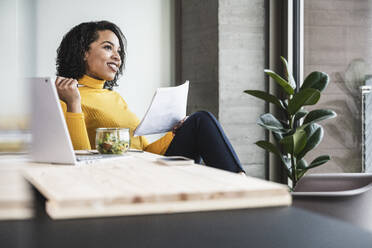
338	41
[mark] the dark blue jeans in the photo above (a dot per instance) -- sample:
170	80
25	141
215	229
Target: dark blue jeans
202	137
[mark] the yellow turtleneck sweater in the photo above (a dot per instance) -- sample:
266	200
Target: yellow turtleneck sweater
105	108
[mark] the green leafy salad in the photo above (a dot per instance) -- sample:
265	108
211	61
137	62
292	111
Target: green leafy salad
109	143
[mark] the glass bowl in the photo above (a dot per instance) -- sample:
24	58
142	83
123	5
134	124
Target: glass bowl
112	140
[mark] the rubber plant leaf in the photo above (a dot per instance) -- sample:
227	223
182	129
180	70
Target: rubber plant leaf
288	73
269	122
281	81
314	133
300	114
302	98
273	149
316	80
266	97
319	115
319	161
294	143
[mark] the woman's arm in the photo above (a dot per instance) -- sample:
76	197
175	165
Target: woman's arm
68	92
71	105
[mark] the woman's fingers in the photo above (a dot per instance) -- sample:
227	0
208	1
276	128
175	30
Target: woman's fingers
70	84
62	82
66	83
59	80
68	91
185	118
179	124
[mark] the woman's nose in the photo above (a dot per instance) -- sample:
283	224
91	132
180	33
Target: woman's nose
116	56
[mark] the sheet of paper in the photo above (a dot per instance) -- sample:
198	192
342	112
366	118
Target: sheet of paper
167	107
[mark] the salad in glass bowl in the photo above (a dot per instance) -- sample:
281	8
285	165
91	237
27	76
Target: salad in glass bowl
112	140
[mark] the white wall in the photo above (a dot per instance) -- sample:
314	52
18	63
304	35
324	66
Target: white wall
147	24
9	86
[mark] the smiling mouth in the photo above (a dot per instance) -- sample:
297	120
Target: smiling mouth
113	67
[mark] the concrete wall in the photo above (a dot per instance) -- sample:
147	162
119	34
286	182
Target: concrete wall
199	51
222	55
337	32
241	64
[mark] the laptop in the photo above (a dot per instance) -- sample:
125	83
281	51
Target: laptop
51	142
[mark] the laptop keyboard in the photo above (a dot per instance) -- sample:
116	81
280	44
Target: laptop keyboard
86	158
98	157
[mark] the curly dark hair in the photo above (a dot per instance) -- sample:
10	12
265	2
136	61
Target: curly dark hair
70	53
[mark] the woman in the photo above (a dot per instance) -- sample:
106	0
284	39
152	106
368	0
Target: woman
92	55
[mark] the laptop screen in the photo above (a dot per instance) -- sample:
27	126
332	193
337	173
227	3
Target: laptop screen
51	141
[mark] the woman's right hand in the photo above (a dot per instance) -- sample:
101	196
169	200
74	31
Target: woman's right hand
68	92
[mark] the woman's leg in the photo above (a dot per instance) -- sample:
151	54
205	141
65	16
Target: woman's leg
202	137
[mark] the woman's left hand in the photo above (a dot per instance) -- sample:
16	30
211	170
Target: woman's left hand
178	125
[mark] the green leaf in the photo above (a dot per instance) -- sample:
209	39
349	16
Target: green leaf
285	103
300	174
294	143
284	123
266	97
319	161
277	136
269	122
288	74
287	143
301	164
319	115
273	149
300	114
269	147
301	168
316	80
314	133
282	82
302	98
299	141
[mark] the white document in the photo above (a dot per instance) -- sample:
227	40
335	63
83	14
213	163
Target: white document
167	108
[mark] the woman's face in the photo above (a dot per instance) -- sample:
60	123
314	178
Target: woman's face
103	59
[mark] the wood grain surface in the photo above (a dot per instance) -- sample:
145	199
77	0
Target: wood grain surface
138	185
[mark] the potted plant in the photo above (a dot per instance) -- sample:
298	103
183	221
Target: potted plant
296	131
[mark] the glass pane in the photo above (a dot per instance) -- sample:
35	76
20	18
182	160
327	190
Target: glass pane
338	41
15	64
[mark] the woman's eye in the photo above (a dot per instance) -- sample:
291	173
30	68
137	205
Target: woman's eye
107	47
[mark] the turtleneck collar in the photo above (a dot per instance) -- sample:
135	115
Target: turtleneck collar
91	82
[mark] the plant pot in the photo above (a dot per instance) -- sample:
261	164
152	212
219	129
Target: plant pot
347	196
